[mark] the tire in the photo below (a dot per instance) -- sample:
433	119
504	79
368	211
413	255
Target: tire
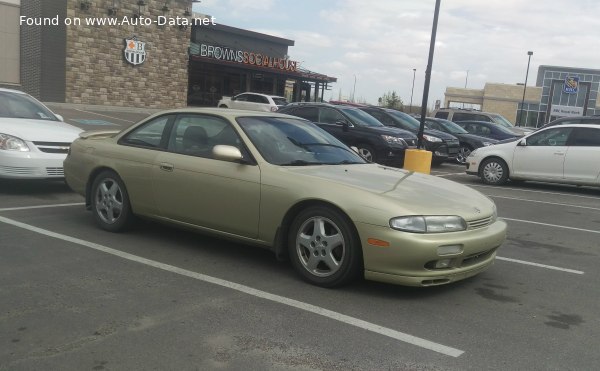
223	106
367	152
328	256
437	162
463	152
493	171
110	202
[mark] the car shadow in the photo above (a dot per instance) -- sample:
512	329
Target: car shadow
33	186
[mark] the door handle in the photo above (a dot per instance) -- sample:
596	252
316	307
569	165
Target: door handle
166	167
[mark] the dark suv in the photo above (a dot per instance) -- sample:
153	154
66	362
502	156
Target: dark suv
353	127
444	147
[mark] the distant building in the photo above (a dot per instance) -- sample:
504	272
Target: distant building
559	92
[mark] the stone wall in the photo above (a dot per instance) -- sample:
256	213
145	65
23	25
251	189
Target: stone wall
97	72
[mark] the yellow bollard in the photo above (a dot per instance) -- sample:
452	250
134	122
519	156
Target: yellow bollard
418	160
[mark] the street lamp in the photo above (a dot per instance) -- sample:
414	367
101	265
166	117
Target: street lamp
413	89
529	53
354	89
466	79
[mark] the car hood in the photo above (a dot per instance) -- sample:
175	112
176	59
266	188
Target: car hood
398	189
39	130
386	130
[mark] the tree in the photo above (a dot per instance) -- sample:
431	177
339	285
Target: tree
392	100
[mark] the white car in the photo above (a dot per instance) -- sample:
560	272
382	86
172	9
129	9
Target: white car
33	140
568	154
253	102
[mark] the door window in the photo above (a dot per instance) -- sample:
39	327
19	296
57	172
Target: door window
258	99
196	135
242	98
585	137
309	113
550	137
462	116
149	135
441	115
330	116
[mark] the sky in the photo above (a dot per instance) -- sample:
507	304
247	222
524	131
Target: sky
380	42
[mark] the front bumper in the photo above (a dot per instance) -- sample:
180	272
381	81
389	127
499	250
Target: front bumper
408	259
472	165
391	156
31	165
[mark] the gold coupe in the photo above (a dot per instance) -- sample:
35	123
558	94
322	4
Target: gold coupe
283	183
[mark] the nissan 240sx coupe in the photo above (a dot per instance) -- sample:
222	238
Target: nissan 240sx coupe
283	183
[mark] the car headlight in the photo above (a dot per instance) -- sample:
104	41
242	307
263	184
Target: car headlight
431	138
10	143
393	140
488	144
429	224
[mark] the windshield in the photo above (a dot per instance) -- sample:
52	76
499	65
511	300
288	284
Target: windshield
22	106
451	127
279	101
406	119
293	142
360	117
498	119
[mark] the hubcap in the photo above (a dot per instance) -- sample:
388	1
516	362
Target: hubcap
320	246
463	153
492	172
109	201
366	154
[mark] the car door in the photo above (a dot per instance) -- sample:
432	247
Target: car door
543	156
191	186
333	121
258	103
582	160
242	102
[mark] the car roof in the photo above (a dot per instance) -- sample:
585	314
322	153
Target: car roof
12	91
226	112
264	95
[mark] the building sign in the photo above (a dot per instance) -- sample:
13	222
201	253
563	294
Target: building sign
135	51
243	57
565	111
571	85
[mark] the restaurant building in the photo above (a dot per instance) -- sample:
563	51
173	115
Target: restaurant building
558	92
141	53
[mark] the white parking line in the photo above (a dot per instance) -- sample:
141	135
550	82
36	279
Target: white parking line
533	191
552	225
540	265
99	114
40	206
544	202
353	321
449	174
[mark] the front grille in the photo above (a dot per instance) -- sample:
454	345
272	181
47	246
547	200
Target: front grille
479	223
477	257
17	170
53	147
55	171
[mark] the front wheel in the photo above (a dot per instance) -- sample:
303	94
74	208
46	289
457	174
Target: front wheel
367	152
324	248
110	202
463	152
493	171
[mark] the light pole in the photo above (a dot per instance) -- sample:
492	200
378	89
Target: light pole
354	89
466	80
413	89
529	53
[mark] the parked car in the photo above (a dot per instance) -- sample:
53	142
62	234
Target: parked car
561	154
461	114
285	184
468	142
588	120
253	102
444	147
488	130
34	141
375	141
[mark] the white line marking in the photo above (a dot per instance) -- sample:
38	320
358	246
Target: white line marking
99	114
552	225
533	191
439	348
40	206
449	174
540	265
545	202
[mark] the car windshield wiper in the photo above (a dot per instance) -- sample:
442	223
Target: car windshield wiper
346	162
302	163
305	145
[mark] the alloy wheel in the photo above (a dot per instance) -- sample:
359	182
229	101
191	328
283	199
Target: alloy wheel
462	155
320	246
493	172
109	201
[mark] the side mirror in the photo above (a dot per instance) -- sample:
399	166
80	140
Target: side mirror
344	125
227	153
59	117
522	143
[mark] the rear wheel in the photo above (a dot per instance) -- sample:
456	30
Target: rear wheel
110	202
493	171
324	248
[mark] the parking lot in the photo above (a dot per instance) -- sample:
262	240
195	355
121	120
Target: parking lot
157	297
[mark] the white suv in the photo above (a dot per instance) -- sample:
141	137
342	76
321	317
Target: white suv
253	102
